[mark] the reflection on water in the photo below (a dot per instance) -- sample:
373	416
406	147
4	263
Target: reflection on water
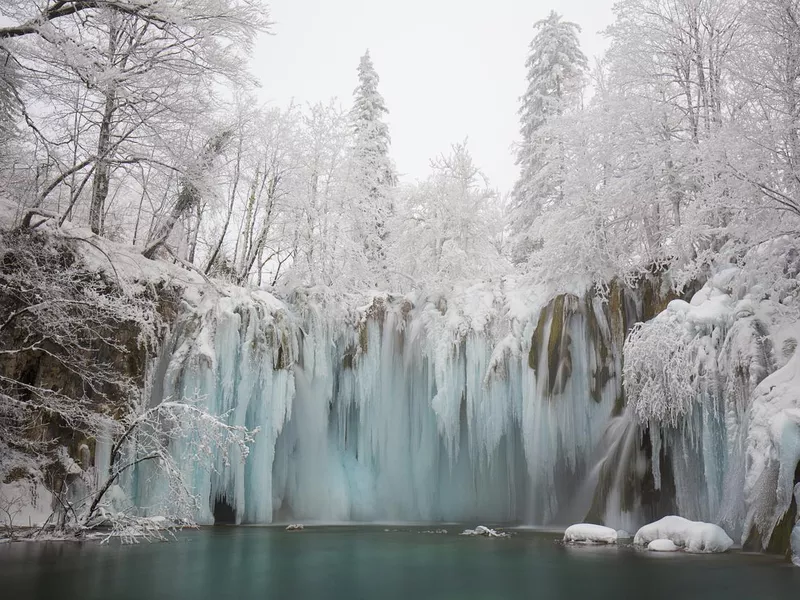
341	562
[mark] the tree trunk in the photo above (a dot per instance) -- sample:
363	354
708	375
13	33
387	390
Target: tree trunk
102	169
188	196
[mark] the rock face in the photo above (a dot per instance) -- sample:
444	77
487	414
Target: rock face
692	536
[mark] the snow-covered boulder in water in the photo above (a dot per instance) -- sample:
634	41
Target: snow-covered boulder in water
588	533
662	546
481	530
693	536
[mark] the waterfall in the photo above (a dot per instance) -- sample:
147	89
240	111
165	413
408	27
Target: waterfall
488	406
399	411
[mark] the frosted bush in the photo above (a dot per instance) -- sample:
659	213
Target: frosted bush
658	364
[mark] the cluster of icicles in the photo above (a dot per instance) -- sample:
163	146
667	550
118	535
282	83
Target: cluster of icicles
399	414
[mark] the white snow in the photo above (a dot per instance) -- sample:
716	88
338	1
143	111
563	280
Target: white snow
481	530
662	546
587	533
693	536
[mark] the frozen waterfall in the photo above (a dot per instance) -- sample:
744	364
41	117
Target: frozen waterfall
397	412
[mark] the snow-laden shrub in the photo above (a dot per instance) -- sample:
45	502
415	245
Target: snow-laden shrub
657	364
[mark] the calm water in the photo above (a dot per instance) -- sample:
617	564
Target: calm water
355	563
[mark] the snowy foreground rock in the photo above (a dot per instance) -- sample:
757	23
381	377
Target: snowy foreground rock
662	546
587	533
485	532
692	536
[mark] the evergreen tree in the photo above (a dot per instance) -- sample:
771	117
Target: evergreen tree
556	68
373	172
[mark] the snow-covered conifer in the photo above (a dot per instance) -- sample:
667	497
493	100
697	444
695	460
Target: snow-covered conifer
372	173
556	67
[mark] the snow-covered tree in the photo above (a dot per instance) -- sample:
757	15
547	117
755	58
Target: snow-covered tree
112	89
555	74
451	227
372	171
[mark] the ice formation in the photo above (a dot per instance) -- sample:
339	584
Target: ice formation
428	410
587	533
489	404
773	449
727	432
693	536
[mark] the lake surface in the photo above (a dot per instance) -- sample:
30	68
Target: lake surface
369	562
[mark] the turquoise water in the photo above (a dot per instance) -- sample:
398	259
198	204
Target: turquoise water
368	562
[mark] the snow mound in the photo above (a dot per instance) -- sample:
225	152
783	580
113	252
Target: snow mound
485	532
662	546
587	533
693	536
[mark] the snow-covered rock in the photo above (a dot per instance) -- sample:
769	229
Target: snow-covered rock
485	532
693	536
662	546
587	533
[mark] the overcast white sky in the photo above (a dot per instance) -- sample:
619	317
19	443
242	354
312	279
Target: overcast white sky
449	68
